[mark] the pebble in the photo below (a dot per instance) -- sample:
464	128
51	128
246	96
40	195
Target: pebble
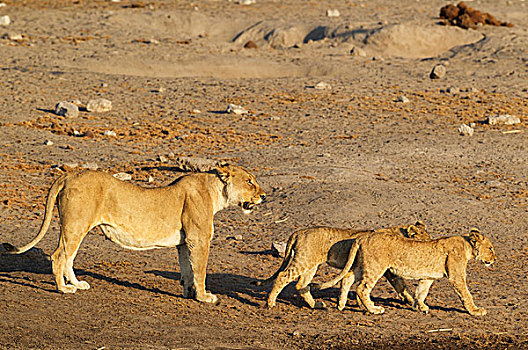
110	133
48	143
123	176
235	109
402	99
250	45
196	111
2	4
235	237
358	52
66	109
466	130
246	2
150	179
90	166
322	86
162	159
278	248
504	119
438	72
452	90
14	36
5	20
332	13
99	105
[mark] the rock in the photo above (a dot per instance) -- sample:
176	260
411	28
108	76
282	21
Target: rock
123	176
332	13
235	237
466	130
48	143
250	45
358	52
99	105
162	159
235	109
453	90
110	133
66	109
322	86
402	99
278	248
14	36
5	20
504	119
90	166
196	111
246	2
438	72
150	179
195	164
68	166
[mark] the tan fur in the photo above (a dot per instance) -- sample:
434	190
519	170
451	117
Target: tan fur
179	215
373	254
307	249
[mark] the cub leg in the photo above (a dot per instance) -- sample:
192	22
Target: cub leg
187	276
303	288
282	280
399	286
420	294
457	277
346	283
363	293
459	283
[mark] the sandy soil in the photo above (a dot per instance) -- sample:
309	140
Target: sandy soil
347	156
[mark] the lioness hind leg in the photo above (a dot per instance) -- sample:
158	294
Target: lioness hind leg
71	253
58	264
303	287
62	261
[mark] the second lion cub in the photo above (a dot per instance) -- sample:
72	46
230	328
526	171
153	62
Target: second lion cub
307	249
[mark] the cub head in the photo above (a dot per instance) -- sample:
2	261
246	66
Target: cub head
417	231
482	247
241	187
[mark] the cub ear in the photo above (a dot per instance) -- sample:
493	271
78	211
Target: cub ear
222	163
411	231
474	236
419	223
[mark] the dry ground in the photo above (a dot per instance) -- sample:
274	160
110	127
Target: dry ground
347	156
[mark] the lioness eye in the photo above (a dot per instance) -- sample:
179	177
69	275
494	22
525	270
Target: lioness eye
250	182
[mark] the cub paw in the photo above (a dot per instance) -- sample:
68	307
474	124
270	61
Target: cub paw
478	312
376	310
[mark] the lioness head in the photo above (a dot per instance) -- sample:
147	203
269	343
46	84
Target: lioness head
241	187
482	247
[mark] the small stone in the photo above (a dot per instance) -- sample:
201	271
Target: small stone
322	86
14	37
235	238
90	166
402	99
332	13
68	166
438	72
66	109
150	179
76	133
123	176
235	109
2	4
5	20
296	333
278	249
250	45
110	133
504	119
358	52
196	111
162	159
453	90
99	105
466	130
48	143
246	2
89	134
103	85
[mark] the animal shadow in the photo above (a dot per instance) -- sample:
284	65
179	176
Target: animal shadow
33	261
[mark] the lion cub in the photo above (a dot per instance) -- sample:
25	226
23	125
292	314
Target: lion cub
372	255
307	249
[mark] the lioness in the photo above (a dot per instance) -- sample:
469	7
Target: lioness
374	254
134	217
307	249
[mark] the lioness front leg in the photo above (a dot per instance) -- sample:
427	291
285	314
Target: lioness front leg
199	253
187	276
463	293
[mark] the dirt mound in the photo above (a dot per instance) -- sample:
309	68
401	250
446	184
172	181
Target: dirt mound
467	17
415	41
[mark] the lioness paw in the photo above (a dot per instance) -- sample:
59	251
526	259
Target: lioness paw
207	298
68	289
82	285
377	310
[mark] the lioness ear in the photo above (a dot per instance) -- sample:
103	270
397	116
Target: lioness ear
223	173
420	223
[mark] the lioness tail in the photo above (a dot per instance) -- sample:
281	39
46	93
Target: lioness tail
57	186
